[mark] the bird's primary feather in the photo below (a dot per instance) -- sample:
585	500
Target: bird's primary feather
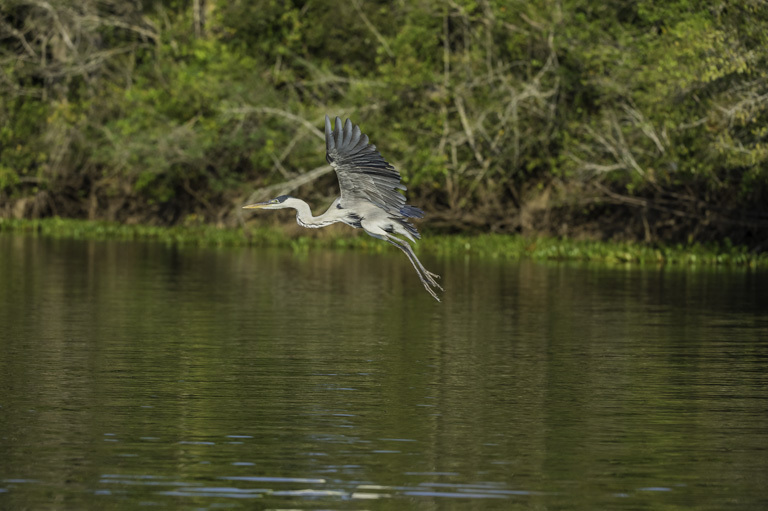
362	172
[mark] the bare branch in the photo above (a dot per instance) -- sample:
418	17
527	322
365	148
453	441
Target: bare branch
18	35
459	102
595	168
112	22
646	127
288	186
376	33
62	31
279	166
281	113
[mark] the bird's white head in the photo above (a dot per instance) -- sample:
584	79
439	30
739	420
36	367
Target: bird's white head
282	202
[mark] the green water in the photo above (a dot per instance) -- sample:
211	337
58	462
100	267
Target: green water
139	375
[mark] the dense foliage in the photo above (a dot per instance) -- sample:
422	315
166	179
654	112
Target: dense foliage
633	118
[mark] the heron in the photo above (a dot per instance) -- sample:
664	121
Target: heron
370	197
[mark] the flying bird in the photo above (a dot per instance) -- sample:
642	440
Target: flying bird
370	196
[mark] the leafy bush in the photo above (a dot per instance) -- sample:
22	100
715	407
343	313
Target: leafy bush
504	116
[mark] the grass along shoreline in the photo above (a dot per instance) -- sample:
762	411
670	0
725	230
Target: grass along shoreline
489	245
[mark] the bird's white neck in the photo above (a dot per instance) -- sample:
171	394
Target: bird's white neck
304	215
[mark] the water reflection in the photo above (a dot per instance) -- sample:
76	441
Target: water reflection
142	374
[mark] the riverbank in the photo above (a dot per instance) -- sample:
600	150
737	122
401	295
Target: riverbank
489	245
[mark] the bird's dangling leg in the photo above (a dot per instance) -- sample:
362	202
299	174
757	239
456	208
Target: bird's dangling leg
405	247
427	277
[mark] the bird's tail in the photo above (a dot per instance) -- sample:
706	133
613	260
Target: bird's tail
411	211
410	229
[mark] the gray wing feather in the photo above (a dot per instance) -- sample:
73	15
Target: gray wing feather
363	173
355	138
330	144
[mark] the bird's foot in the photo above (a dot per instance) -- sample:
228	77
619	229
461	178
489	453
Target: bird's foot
431	278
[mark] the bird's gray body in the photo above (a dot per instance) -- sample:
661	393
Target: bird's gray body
370	196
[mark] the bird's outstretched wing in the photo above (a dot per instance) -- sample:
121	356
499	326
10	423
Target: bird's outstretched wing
363	173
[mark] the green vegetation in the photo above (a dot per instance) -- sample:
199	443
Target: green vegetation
630	120
510	247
